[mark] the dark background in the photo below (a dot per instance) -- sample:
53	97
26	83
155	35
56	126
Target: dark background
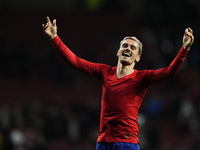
46	105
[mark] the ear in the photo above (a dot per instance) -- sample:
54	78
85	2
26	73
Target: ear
117	53
137	59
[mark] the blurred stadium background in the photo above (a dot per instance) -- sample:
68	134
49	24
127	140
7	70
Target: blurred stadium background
46	105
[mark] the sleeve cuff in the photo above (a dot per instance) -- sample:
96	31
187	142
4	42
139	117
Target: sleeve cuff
55	38
183	51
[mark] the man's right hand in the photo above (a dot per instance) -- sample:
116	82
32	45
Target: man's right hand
50	28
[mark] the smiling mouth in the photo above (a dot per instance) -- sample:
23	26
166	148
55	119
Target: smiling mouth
126	54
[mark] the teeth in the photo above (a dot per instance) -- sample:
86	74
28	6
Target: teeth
126	54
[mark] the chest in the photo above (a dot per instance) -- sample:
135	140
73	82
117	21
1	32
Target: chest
122	94
125	84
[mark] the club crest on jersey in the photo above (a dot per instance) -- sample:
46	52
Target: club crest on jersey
127	135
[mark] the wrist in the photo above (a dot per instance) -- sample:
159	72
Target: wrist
187	47
52	36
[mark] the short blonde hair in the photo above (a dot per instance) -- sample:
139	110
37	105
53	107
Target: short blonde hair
136	40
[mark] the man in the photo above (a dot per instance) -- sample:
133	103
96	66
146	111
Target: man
123	87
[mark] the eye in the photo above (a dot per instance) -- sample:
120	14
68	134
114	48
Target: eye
133	47
124	45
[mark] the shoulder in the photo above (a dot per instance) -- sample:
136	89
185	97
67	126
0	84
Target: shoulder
103	66
107	70
143	73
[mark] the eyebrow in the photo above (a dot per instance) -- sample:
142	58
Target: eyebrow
130	45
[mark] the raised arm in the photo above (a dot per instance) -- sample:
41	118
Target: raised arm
159	75
50	29
93	69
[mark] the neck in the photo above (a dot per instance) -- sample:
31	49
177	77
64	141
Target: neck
124	70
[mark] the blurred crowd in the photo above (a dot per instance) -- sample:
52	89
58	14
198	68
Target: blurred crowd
46	105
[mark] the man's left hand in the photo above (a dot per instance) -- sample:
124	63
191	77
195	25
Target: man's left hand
188	38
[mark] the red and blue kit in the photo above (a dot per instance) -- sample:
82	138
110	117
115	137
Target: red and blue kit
121	97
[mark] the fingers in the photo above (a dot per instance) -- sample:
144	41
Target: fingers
47	24
48	19
190	30
43	27
188	38
190	34
54	22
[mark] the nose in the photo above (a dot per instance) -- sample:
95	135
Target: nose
127	49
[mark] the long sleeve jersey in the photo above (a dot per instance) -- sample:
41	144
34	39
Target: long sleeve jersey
121	97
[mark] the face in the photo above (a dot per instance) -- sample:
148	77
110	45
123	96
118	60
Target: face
128	52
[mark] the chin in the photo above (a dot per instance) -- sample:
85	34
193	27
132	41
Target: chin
125	62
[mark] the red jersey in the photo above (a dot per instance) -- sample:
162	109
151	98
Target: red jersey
121	97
